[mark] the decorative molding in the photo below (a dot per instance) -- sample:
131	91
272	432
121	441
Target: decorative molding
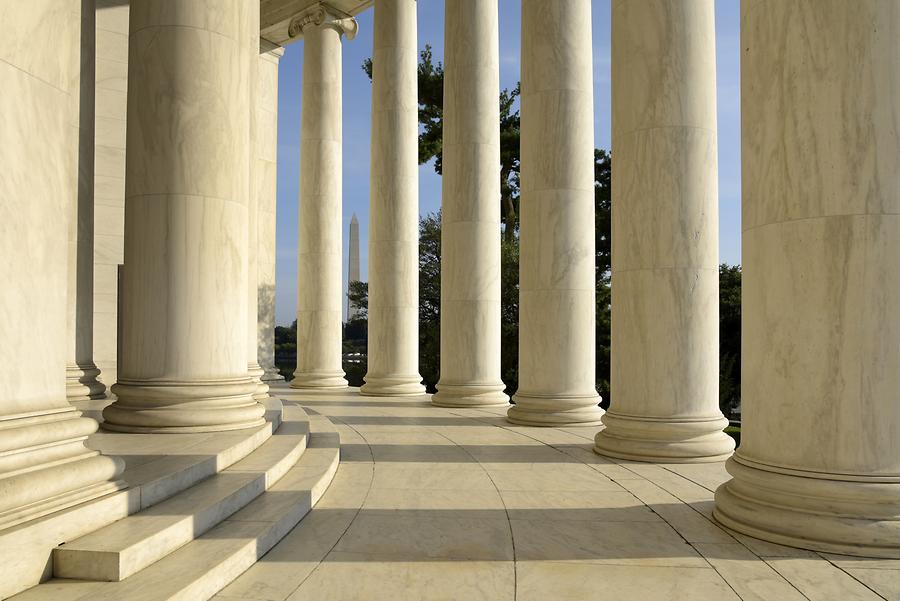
323	15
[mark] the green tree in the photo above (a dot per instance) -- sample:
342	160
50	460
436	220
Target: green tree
729	337
430	299
603	262
431	120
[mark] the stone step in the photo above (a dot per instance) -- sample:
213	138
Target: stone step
129	545
204	566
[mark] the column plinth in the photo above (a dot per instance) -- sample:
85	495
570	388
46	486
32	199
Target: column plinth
393	350
187	186
319	240
557	280
819	461
665	263
470	209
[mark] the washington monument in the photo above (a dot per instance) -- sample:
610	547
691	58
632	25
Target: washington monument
353	268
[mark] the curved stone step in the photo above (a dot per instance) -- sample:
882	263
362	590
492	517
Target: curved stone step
129	545
201	568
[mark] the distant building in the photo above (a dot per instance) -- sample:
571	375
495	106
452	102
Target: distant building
353	268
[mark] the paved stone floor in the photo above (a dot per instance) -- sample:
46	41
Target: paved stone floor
433	503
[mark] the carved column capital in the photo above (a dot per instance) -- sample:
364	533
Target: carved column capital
323	15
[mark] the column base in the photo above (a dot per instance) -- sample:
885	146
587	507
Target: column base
166	407
262	389
271	374
45	466
555	411
82	383
326	382
837	513
392	386
664	440
475	395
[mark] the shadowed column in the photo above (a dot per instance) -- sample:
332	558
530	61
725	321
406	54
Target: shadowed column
665	255
557	280
819	461
470	209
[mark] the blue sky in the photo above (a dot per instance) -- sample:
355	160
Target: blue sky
357	117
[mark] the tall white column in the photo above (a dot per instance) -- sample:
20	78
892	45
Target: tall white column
44	463
254	370
819	461
470	208
393	355
81	373
665	255
557	281
267	158
319	290
184	336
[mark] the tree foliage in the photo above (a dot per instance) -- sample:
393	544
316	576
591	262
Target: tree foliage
729	337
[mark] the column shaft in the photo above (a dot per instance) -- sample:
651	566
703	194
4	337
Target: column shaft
665	263
319	290
819	461
267	156
254	370
393	352
44	463
470	208
184	336
81	373
557	283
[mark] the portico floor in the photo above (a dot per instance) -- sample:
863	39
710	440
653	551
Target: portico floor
432	503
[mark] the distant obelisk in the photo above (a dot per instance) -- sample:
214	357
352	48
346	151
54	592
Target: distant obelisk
353	269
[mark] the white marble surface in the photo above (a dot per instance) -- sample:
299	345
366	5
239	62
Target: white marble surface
184	335
393	351
821	280
665	316
111	74
557	347
44	464
470	208
319	264
266	167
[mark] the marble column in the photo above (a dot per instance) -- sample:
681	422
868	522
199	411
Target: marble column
81	373
267	157
393	352
557	281
44	463
470	209
254	370
184	335
819	461
665	255
319	265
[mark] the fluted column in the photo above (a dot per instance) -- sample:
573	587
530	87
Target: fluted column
81	373
184	336
470	209
665	255
44	463
393	354
319	290
254	370
557	280
819	461
267	157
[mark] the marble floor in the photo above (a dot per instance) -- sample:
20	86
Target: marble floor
433	503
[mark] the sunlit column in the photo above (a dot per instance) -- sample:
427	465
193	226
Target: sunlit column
819	461
557	287
470	208
319	289
665	255
184	336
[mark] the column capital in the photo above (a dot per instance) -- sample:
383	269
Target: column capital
323	15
